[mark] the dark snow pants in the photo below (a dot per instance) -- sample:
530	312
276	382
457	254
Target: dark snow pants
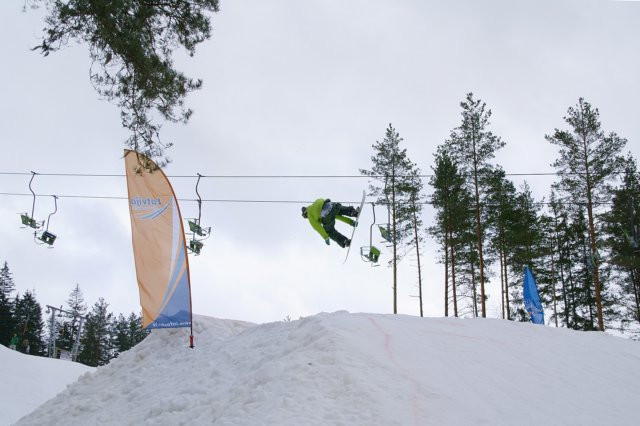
329	222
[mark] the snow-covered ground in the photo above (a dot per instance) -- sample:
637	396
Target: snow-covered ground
27	381
359	369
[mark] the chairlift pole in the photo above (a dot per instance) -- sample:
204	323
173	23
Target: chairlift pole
76	343
52	331
199	199
195	244
47	237
33	206
373	208
27	220
55	204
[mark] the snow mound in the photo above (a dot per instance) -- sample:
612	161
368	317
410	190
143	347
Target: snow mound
359	369
28	381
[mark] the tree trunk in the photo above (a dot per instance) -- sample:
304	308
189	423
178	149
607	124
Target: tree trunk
592	237
587	287
591	320
506	287
473	285
453	279
636	291
446	275
478	225
572	287
564	289
395	243
553	285
564	294
415	231
596	273
501	282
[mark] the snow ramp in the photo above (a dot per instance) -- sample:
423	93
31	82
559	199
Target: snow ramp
359	369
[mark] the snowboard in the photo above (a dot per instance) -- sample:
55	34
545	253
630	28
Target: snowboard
354	228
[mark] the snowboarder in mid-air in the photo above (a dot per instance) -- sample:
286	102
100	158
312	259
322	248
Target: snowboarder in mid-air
322	215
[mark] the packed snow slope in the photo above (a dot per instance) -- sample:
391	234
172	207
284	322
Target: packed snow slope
360	369
27	381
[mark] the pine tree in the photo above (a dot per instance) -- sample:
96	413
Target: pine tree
531	247
138	334
7	305
451	200
584	307
559	226
121	336
622	229
501	212
394	185
549	277
588	159
414	188
96	343
131	44
127	332
473	145
28	323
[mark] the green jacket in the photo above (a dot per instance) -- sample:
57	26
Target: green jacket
313	214
14	340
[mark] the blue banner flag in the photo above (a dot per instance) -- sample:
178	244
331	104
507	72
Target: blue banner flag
531	298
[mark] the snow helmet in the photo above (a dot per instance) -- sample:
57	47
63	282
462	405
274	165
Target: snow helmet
304	212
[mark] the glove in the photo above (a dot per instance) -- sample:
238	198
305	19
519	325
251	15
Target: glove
327	241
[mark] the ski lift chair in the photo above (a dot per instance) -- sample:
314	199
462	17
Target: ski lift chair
371	253
385	232
385	228
29	221
48	237
195	246
196	229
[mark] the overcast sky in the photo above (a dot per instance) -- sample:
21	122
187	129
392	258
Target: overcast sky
298	88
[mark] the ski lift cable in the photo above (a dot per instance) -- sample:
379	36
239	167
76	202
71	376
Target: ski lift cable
221	200
279	176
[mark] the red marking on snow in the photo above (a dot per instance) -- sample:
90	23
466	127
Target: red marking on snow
416	386
387	341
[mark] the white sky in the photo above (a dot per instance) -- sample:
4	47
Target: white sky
296	88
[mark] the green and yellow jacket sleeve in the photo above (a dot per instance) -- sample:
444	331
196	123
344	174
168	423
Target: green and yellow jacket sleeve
313	214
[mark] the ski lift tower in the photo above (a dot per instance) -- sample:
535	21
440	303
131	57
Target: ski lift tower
52	350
